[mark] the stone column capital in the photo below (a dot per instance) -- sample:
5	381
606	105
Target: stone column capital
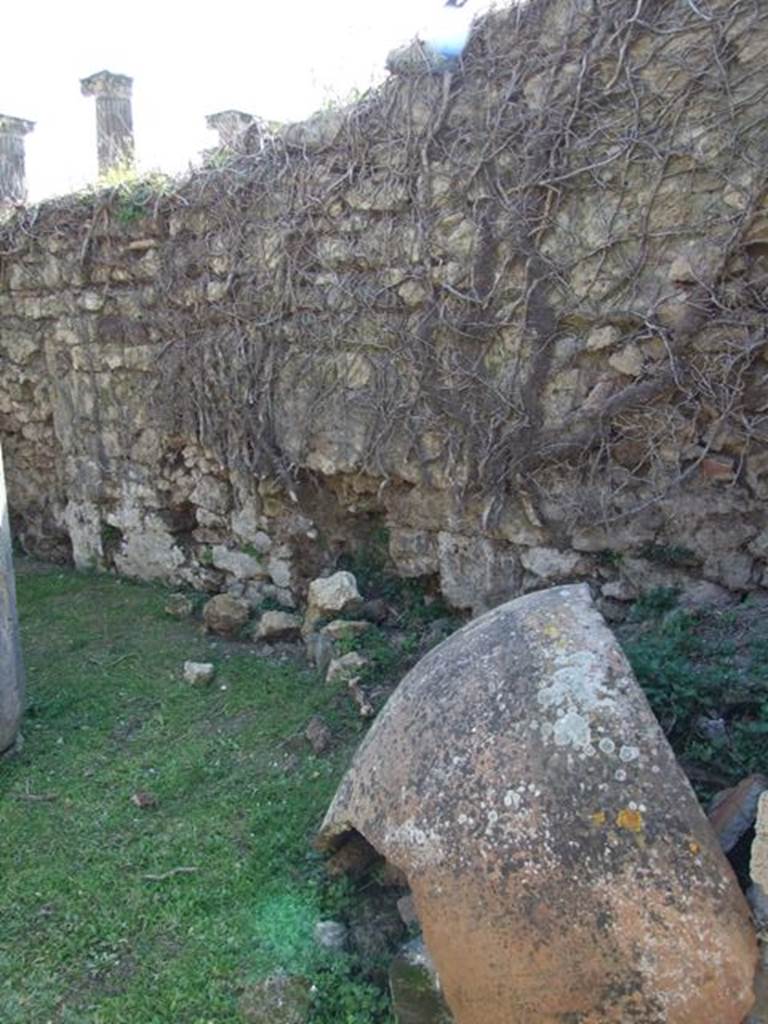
229	119
107	83
15	126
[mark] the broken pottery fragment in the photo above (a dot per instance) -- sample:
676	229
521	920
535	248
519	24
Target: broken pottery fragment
561	866
733	811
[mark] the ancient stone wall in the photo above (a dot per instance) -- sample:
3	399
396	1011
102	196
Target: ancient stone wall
514	312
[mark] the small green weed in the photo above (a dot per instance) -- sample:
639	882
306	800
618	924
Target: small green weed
656	602
674	555
693	671
609	558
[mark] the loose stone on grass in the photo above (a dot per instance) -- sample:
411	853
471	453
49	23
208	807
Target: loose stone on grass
344	629
356	692
277	626
226	615
179	606
199	673
346	667
320	651
318	735
330	595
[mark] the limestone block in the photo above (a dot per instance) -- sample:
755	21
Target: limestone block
331	594
347	667
317	132
20	347
603	337
563	393
241	565
627	360
246	526
225	614
475	572
91	300
551	564
456	235
345	629
515	525
211	493
278	626
414	552
698	263
731	569
560	863
151	554
280	570
413	293
386	194
83	523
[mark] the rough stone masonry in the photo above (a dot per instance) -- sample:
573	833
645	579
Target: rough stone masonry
514	315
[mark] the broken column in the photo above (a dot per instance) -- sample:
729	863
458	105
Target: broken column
114	119
11	670
12	172
560	864
231	126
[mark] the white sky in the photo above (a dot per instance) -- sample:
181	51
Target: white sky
280	59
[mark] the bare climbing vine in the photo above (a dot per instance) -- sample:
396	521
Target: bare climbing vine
429	267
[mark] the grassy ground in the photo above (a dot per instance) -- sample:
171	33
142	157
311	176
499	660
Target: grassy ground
96	929
706	677
99	925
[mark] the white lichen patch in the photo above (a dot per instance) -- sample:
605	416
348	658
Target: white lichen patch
628	753
417	845
573	730
578	683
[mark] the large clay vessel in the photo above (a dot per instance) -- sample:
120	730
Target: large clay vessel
11	671
562	868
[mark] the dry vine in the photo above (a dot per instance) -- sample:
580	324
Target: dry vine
429	241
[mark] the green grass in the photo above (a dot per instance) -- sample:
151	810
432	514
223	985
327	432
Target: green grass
710	665
86	936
